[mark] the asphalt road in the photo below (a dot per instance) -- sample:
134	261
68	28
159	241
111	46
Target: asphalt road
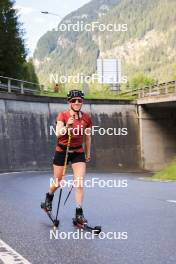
140	210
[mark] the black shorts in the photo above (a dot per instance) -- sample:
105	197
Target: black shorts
73	157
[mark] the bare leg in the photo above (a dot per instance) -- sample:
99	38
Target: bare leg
79	171
58	173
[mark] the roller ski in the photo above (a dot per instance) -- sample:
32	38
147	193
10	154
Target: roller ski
80	222
47	207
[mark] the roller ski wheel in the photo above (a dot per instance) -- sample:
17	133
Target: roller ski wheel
96	230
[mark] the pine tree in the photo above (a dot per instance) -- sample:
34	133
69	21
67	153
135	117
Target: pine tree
12	47
29	72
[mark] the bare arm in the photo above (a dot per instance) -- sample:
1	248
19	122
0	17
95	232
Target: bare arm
61	129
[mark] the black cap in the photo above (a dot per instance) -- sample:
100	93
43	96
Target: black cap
75	93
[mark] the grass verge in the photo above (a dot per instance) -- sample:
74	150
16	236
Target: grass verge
167	173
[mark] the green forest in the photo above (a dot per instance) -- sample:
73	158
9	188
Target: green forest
13	52
147	48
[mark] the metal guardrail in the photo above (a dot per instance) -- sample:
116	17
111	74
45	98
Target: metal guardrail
12	85
153	90
158	89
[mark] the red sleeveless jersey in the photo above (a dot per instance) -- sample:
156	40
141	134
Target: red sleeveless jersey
78	126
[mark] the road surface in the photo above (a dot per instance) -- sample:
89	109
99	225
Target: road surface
144	210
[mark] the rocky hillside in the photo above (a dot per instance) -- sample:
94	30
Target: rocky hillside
147	46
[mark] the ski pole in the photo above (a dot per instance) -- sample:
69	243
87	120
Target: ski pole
73	184
68	194
65	167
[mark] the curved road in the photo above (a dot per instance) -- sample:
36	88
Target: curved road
144	210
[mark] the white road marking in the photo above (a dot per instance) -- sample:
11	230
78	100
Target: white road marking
171	201
22	172
6	173
10	256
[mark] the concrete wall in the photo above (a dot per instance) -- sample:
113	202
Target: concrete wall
157	135
25	142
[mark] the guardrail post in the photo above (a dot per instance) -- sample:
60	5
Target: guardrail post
150	90
9	85
158	89
131	91
22	88
166	90
175	86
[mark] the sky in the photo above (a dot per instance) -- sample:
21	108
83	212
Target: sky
36	24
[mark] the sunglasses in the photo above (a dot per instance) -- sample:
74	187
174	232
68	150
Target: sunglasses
76	100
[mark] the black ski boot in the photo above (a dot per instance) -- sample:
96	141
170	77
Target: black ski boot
79	216
47	205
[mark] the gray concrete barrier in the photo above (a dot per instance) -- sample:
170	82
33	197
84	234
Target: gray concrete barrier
26	143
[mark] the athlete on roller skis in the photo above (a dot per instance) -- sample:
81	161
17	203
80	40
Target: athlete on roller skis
67	121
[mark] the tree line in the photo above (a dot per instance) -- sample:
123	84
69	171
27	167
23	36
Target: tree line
13	53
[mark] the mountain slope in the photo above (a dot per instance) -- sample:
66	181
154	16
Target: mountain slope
149	44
